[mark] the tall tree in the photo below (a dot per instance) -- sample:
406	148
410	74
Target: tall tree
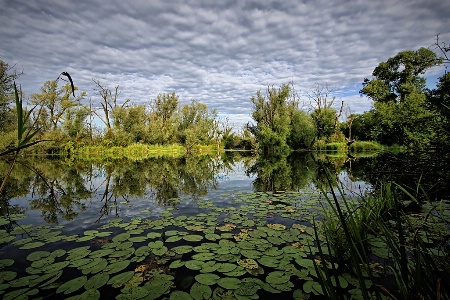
54	102
398	91
7	78
271	114
323	115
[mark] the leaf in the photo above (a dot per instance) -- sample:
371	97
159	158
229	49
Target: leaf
72	285
32	245
121	279
121	237
229	283
207	279
200	291
157	288
182	249
193	238
117	266
194	264
87	295
6	263
96	281
176	264
277	277
180	295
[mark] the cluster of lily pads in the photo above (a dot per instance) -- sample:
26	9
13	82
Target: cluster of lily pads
259	247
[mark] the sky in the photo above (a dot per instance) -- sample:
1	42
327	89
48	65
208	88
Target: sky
217	52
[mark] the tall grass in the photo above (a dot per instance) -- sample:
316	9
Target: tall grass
349	226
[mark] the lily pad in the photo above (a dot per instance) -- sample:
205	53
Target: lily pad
200	291
157	288
121	279
121	237
116	266
180	295
182	249
96	281
176	264
277	277
193	238
6	263
207	279
72	285
32	245
194	264
229	283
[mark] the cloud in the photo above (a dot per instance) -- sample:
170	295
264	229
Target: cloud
219	53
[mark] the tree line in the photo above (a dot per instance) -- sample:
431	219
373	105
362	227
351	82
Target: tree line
405	112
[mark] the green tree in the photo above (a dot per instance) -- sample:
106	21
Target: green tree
398	91
130	124
195	124
323	115
303	132
7	78
54	102
163	119
271	114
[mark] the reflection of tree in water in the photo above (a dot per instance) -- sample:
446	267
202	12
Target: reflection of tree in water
282	173
57	190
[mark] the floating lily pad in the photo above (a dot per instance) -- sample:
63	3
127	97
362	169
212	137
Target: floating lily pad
180	295
8	275
32	245
116	266
155	244
87	295
207	279
204	256
176	264
153	235
277	277
229	283
194	264
182	249
120	279
72	285
312	287
157	288
193	238
173	239
96	281
160	251
200	291
6	263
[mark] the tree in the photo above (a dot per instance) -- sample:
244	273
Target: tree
163	118
130	124
303	132
108	105
271	114
399	95
195	123
323	115
54	102
7	78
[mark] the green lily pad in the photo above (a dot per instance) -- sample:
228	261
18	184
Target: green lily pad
121	237
176	264
312	287
251	253
268	261
121	279
138	239
101	253
155	244
203	256
182	249
239	271
131	293
212	236
277	277
207	279
72	285
226	267
229	283
200	291
193	238
8	275
87	295
160	251
247	288
32	245
96	281
153	235
6	263
55	267
173	239
194	264
180	295
157	288
37	255
116	266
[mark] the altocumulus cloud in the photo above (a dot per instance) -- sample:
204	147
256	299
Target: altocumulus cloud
218	52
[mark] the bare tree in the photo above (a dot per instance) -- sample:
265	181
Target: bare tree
109	103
